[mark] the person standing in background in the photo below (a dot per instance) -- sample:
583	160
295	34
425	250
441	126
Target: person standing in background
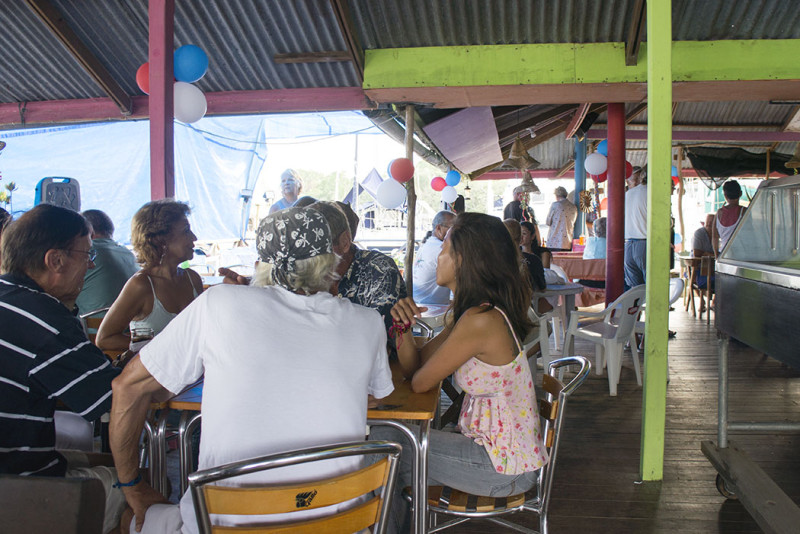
728	216
561	220
291	185
636	228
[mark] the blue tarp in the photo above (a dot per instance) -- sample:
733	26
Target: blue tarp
216	161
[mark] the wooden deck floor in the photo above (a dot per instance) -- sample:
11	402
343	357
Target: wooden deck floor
597	487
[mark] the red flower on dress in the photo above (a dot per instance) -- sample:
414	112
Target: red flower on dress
518	370
495	374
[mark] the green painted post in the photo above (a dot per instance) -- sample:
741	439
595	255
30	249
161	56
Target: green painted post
659	158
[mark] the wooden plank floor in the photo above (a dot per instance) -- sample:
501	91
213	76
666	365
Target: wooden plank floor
597	486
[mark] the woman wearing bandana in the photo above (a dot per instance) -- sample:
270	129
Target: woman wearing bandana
286	366
497	448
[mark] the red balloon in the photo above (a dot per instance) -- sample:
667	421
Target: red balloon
438	183
628	169
675	180
143	78
600	178
401	169
604	204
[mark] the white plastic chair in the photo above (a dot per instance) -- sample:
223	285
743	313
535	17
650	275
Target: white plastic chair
610	334
676	286
542	338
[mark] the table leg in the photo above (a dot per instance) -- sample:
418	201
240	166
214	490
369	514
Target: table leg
187	426
722	407
569	305
420	485
421	496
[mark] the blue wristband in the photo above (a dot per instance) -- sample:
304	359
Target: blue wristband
128	484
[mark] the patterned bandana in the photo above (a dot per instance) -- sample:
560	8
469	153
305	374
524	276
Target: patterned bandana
290	235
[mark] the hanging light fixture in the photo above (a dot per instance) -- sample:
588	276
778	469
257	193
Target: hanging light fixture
527	185
519	158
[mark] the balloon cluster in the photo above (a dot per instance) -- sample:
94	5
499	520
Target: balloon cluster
391	194
447	185
596	164
190	63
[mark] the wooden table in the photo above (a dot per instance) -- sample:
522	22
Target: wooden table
401	404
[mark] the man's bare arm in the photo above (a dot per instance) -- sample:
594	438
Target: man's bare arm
133	392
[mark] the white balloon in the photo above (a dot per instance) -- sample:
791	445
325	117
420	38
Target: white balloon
595	163
391	194
449	194
190	102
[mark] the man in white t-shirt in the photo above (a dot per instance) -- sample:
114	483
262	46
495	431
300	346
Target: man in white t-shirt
286	366
426	290
636	228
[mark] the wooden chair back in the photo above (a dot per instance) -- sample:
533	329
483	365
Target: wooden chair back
293	497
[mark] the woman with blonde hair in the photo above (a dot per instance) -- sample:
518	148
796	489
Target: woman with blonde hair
162	239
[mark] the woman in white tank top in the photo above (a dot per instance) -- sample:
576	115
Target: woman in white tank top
728	216
162	240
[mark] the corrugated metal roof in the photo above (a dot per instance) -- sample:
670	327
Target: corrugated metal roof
413	23
705	20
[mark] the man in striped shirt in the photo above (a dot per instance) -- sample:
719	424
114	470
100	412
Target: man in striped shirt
45	356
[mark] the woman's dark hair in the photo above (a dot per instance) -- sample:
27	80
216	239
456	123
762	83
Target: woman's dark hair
732	190
45	227
489	270
531	227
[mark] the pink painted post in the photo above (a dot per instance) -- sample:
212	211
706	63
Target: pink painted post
162	158
615	231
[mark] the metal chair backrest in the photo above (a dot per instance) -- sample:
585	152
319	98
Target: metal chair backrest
624	311
551	411
91	322
291	497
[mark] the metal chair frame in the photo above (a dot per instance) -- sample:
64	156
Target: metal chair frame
313	454
539	502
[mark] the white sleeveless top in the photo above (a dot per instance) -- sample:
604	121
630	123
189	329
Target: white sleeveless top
159	317
725	232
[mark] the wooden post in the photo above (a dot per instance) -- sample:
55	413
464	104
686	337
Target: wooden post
162	158
411	204
580	183
615	241
659	157
681	192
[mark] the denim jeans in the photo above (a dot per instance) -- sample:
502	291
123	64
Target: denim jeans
635	262
453	460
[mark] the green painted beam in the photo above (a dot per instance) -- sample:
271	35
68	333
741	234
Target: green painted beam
526	64
659	185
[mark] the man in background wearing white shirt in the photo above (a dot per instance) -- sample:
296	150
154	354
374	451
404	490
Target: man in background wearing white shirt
426	290
635	228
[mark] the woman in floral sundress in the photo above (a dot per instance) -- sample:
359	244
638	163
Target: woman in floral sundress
497	448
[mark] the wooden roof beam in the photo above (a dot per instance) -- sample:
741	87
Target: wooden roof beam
542	119
793	123
636	26
341	9
577	119
635	112
312	57
55	22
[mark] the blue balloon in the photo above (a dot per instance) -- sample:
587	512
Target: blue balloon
603	147
452	178
190	63
389	170
674	170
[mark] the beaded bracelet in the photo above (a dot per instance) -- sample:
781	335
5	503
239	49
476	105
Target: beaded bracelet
128	484
397	329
